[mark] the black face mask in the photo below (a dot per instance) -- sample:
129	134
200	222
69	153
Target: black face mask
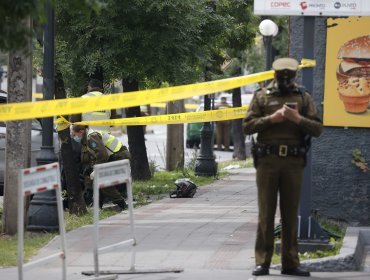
285	80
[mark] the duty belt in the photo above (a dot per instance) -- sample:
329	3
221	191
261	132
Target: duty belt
279	150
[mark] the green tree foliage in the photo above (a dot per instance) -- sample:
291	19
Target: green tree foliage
242	25
236	36
152	40
149	39
14	35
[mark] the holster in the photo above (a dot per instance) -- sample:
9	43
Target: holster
254	152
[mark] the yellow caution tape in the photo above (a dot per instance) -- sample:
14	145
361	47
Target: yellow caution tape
48	108
70	106
62	123
203	116
191	106
38	95
307	63
188	106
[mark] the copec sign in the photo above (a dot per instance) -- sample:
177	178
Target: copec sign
312	7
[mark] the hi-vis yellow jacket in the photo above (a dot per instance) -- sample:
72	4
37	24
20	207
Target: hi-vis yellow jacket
96	115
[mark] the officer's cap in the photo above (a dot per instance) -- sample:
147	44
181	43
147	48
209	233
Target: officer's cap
285	63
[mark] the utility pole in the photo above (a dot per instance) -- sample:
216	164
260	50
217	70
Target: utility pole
309	228
237	128
18	133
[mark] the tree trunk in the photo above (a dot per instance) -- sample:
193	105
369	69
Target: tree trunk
76	201
18	133
238	135
175	138
136	142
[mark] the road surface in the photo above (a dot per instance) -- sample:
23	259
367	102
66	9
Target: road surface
156	146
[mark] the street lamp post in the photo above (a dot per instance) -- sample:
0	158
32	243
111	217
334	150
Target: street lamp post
205	164
43	213
268	29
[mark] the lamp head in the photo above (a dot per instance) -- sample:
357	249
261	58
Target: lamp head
268	28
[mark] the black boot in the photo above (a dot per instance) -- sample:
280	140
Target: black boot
101	200
122	188
296	272
261	270
121	203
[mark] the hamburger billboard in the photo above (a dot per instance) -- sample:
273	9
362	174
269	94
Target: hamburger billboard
347	72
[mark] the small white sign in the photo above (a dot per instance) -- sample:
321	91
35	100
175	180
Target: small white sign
312	7
112	173
40	178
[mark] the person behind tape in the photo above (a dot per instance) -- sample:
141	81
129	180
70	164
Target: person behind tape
100	147
95	88
223	128
283	115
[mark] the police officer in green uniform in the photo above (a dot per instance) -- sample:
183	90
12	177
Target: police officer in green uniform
99	147
223	128
283	115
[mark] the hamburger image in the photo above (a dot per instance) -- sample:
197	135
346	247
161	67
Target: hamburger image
353	74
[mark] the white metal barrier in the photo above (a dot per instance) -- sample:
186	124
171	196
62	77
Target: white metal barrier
34	180
105	175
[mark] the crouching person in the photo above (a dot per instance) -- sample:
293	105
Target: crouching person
99	147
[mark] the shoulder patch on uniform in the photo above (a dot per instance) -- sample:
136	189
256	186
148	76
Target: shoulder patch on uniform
92	144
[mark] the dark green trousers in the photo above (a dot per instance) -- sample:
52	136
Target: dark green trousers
278	177
111	193
223	134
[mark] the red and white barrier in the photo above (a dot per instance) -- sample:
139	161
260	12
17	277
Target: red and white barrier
35	180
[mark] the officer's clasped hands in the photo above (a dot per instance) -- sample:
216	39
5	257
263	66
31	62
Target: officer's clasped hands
278	116
291	114
286	113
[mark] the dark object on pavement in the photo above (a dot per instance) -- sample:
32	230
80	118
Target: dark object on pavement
185	188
